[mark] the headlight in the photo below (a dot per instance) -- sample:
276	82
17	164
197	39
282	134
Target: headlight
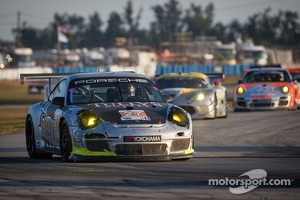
88	119
240	90
200	96
285	89
178	116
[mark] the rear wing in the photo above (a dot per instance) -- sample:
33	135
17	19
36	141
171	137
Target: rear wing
216	77
294	71
262	66
265	66
42	78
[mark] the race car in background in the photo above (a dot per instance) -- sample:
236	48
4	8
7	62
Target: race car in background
195	93
109	115
295	72
266	88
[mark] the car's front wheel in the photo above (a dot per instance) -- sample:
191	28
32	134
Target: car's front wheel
30	141
65	142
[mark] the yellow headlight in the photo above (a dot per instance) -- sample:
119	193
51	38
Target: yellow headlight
179	118
88	119
285	89
176	118
200	96
240	90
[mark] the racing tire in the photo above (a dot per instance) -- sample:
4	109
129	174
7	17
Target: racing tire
295	105
226	107
30	142
181	159
215	108
65	142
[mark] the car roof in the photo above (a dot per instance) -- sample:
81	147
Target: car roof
127	74
267	69
178	75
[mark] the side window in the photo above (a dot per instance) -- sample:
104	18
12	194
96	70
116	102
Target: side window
59	91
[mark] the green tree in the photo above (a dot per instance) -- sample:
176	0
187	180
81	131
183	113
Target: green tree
199	21
289	28
235	28
132	23
220	31
267	28
92	34
114	29
167	22
76	33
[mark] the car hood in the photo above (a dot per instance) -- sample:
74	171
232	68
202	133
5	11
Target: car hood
279	84
263	87
130	112
186	92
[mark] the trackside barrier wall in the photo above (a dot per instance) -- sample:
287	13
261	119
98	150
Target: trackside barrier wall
228	70
78	69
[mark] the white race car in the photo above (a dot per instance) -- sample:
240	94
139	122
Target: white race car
106	116
195	93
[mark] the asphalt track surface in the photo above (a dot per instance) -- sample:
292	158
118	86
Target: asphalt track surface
226	148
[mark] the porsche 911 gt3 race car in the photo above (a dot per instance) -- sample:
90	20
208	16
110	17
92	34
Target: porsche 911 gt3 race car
195	93
106	116
266	88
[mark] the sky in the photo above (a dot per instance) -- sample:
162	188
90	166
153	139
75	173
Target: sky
39	13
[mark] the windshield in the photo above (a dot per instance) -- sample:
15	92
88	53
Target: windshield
114	92
252	54
225	53
266	76
183	82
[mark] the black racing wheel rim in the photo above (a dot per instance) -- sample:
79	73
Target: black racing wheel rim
65	143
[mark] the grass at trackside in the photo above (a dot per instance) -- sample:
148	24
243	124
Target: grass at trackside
12	117
12	120
13	93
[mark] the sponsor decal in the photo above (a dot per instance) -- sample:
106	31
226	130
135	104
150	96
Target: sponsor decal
262	96
265	89
154	138
133	115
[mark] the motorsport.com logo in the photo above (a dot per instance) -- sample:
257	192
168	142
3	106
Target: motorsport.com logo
257	177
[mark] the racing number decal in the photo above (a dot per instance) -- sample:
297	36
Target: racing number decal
47	126
133	115
49	120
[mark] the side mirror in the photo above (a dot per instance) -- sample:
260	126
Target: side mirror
239	81
168	98
295	80
58	101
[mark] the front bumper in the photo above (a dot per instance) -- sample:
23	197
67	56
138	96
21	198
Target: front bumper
88	158
242	103
102	146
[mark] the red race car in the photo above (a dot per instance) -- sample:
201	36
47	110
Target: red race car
266	88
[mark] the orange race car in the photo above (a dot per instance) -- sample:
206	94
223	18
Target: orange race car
266	88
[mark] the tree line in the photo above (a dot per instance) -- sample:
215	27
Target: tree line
170	21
